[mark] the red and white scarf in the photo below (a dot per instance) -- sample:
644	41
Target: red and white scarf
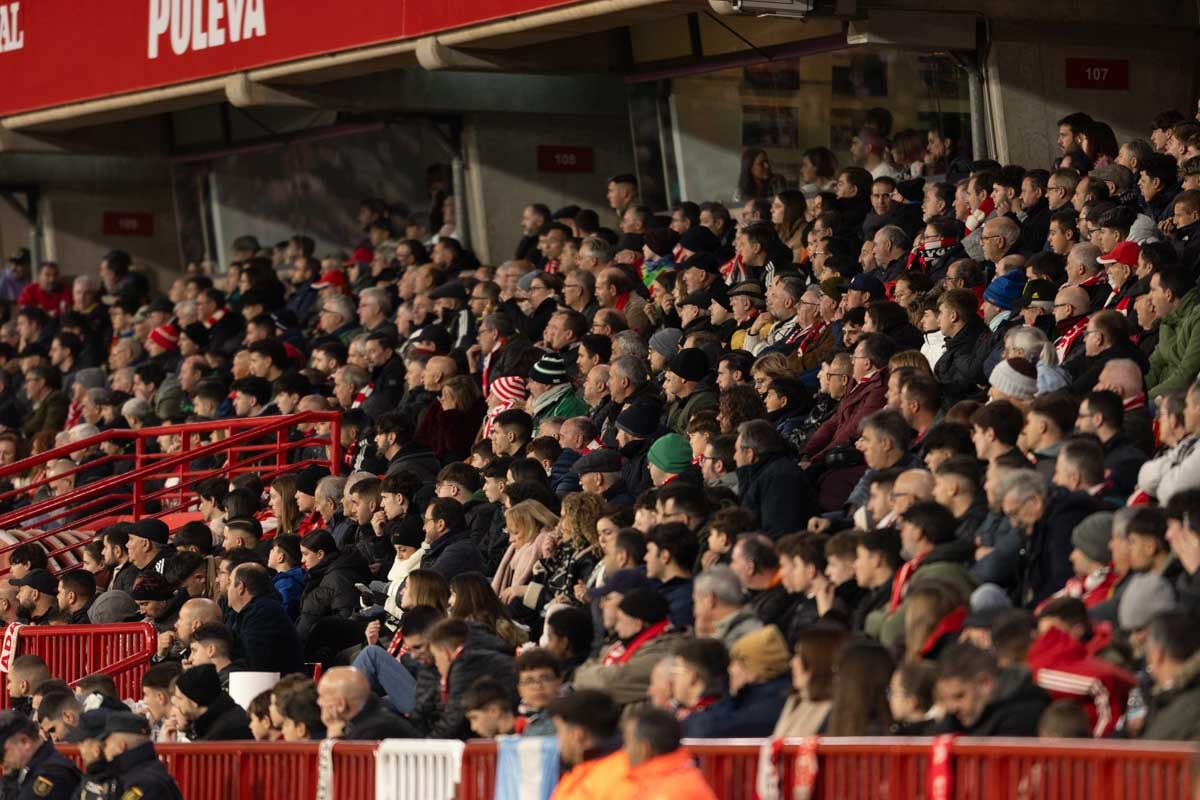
1063	344
621	653
215	318
362	394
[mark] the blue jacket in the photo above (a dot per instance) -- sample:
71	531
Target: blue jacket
752	713
290	586
678	594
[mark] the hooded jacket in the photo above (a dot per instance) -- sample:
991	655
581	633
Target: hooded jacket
1176	359
329	590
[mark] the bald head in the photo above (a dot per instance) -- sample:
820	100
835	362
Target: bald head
1003	226
438	370
912	486
1070	302
342	693
194	613
1122	376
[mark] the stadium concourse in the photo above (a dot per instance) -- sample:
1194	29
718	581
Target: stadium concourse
907	450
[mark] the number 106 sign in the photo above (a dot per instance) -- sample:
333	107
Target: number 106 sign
1110	74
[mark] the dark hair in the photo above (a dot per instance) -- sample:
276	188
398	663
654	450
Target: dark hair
966	662
591	709
254	578
759	551
808	547
181	565
419	619
515	420
860	682
710	660
538	658
631	542
677	539
949	436
658	729
160	676
450	511
1002	418
31	553
79	581
289	545
484	692
1177	633
573	624
1107	404
885	542
936	523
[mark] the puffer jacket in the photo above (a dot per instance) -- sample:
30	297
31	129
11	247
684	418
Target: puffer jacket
777	490
329	590
1176	359
960	369
484	654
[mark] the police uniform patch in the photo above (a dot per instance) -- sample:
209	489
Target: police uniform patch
42	786
132	794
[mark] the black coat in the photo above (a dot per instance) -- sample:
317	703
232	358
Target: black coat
267	640
373	721
960	369
1015	707
484	654
751	713
453	554
1086	370
1046	555
329	589
777	490
1035	229
224	720
418	459
139	771
48	776
1122	460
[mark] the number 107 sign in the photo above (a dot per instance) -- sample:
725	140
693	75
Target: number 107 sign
1110	74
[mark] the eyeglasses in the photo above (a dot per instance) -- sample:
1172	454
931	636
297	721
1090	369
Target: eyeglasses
837	374
1062	305
536	680
993	236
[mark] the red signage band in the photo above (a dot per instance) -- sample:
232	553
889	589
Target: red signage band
558	158
1111	74
128	223
54	52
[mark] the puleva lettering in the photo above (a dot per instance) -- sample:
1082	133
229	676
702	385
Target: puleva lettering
11	35
194	25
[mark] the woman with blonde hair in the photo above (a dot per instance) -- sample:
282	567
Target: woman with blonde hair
282	502
424	587
570	555
910	358
528	522
767	368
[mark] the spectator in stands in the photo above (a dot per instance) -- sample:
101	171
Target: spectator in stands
984	699
329	590
266	636
210	713
1171	645
586	725
658	766
37	595
717	600
763	471
460	662
644	635
38	768
451	550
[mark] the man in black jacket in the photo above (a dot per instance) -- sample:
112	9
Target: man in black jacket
986	700
211	713
463	656
771	483
38	768
351	711
267	640
133	766
960	369
451	551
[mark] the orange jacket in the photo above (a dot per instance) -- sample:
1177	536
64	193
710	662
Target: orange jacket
673	776
592	780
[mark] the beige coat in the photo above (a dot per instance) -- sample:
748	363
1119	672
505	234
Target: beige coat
628	682
801	717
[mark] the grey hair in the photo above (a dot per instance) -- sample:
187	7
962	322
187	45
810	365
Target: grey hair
1033	344
1086	254
379	297
1120	520
720	582
87	283
1027	483
761	437
329	489
896	235
137	408
355	376
342	306
1008	229
630	368
83	431
601	249
631	343
135	347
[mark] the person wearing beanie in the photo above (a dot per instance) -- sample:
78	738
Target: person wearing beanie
163	339
682	383
668	457
1001	296
550	389
1091	560
664	344
1014	380
211	714
759	683
639	619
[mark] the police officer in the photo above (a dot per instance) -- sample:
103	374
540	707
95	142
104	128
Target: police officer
87	734
34	770
134	770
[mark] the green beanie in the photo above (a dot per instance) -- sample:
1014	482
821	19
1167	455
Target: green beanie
671	453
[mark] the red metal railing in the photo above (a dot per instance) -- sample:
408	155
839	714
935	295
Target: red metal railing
76	651
848	769
154	484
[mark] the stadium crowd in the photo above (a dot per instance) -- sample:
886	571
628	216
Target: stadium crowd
878	455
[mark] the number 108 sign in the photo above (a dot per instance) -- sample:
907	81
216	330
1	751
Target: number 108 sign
561	158
1110	74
